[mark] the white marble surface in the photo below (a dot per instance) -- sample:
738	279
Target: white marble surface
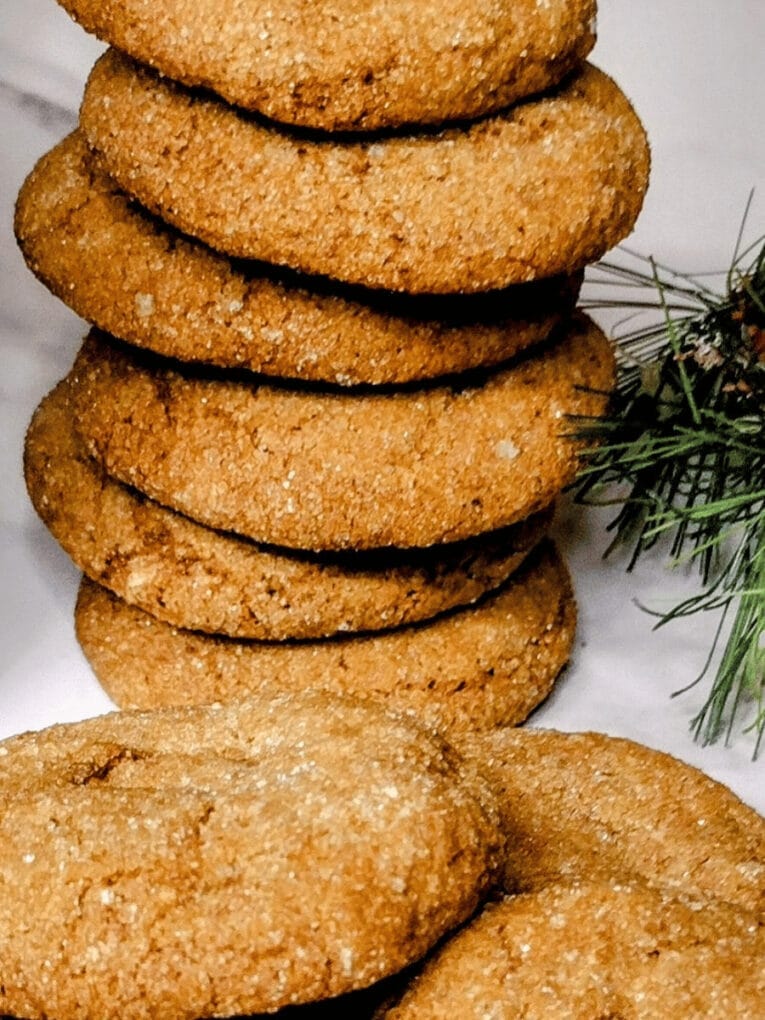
694	71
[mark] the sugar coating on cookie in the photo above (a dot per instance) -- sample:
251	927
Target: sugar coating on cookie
595	950
586	804
543	188
336	470
335	65
232	859
141	281
201	579
476	668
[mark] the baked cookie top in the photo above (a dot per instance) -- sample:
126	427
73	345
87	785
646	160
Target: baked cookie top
199	578
140	280
478	667
540	189
595	950
232	859
363	65
337	470
589	805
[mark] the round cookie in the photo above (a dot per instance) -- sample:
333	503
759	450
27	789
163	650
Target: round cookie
541	189
595	950
365	65
230	860
476	668
584	804
139	280
337	470
201	579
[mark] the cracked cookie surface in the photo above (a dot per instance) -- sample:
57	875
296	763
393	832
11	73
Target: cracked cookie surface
228	860
595	950
540	189
589	805
336	470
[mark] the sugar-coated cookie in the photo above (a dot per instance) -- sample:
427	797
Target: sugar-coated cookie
479	667
199	578
313	469
336	65
229	860
585	804
541	189
595	950
141	281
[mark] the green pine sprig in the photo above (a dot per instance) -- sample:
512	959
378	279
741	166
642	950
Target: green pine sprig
681	453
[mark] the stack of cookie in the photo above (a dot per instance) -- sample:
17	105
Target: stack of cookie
317	432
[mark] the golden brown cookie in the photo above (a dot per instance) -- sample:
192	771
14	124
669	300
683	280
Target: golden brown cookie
595	950
335	470
236	859
198	578
476	668
134	277
336	65
584	804
541	189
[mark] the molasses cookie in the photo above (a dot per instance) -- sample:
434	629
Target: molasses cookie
312	469
346	66
230	860
584	804
476	668
130	275
198	578
543	188
595	950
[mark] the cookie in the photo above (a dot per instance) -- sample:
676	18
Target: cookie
541	189
312	469
595	950
197	578
586	804
134	277
229	860
484	666
339	66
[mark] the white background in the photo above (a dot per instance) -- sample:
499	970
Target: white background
694	71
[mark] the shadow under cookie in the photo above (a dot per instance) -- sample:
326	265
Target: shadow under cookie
476	668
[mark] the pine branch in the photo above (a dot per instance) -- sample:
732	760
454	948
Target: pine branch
682	456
